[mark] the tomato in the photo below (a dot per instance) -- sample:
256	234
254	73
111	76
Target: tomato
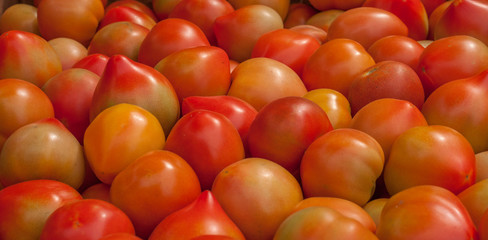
481	165
162	8
449	59
208	141
483	227
321	223
68	50
127	81
97	191
323	19
323	5
204	216
435	16
123	13
119	135
152	187
260	81
396	48
238	31
37	67
313	31
21	17
475	199
321	165
442	157
284	128
298	14
344	59
366	25
120	236
76	20
203	13
280	6
134	4
257	211
21	103
374	208
198	71
168	36
431	5
25	206
425	212
345	207
129	39
71	92
87	219
385	79
94	62
53	153
334	104
286	46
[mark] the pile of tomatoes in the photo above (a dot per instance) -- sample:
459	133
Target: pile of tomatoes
231	119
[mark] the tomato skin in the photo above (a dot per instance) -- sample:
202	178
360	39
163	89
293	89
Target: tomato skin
87	219
396	48
298	13
481	166
323	5
203	216
97	191
124	13
435	16
25	206
313	31
475	199
448	154
323	19
134	4
374	208
431	5
41	64
208	141
94	62
168	36
152	187
162	8
120	236
425	212
21	17
334	104
280	6
68	50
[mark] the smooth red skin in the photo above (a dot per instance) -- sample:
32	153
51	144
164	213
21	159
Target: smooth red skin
87	219
431	5
286	46
435	16
208	141
27	56
203	13
462	104
120	236
94	62
396	48
238	31
323	5
313	31
168	36
279	6
451	58
134	4
298	13
386	79
124	38
127	81
366	25
204	216
323	19
464	17
162	8
411	12
99	191
483	227
475	199
435	155
124	13
425	212
25	207
71	93
198	71
283	130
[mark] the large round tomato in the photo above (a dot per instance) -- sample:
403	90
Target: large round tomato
396	48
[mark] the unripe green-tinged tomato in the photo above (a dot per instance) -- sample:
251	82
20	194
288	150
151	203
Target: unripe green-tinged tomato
19	16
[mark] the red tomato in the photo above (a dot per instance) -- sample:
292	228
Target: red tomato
127	81
37	67
286	46
198	71
94	62
208	141
21	17
162	8
284	128
321	165
76	20
449	59
134	4
280	6
386	79
168	36
120	236
321	223
129	14
313	31
396	48
203	13
435	155
431	5
97	191
483	227
344	59
42	150
435	16
475	199
204	216
257	211
298	13
152	187
481	166
334	104
425	212
323	19
366	25
68	50
118	136
71	93
238	31
374	208
25	206
87	219
323	5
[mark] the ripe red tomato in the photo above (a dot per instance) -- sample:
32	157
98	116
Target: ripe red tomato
87	219
134	4
280	6
323	19
94	62
323	5
396	48
481	166
25	206
313	31
125	13
298	14
475	199
162	8
19	16
97	191
435	16
68	50
120	236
